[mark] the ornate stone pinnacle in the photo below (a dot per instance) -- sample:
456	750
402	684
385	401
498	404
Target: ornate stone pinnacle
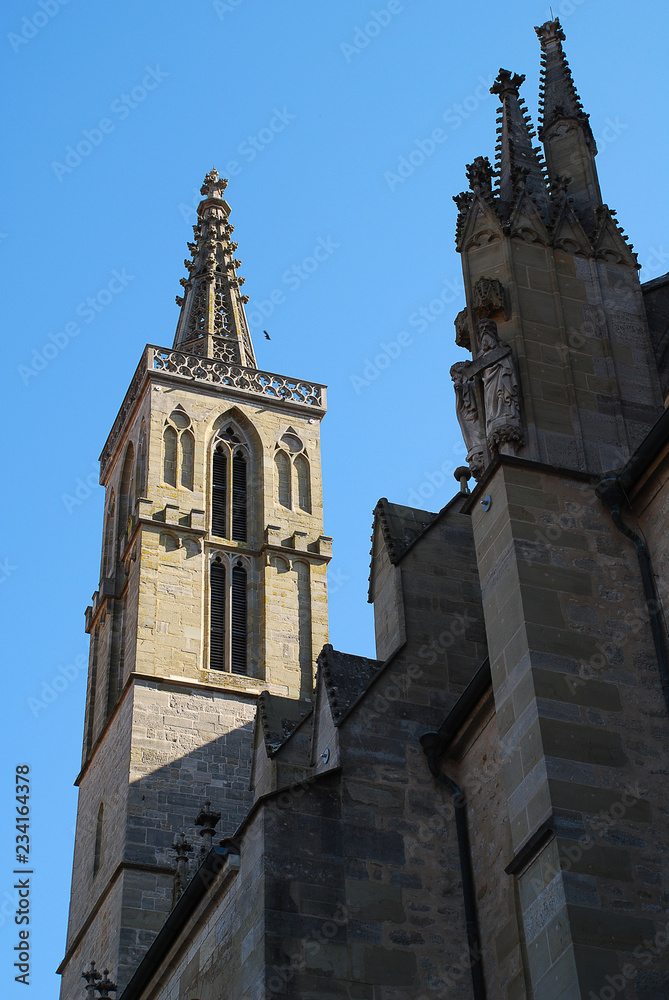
212	322
207	820
550	31
213	186
106	986
91	976
506	83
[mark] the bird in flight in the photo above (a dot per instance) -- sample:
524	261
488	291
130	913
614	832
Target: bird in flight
267	335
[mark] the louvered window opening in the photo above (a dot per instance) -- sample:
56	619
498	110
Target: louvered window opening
217	623
239	498
238	637
218	498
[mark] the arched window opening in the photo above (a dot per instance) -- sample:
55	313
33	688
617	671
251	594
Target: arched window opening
108	545
230	500
303	483
283	478
97	851
126	491
217	623
219	494
170	439
187	459
140	468
238	631
239	497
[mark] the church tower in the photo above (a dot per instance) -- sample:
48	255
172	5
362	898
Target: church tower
212	589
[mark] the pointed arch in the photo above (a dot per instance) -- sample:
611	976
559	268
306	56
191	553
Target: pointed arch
282	463
170	439
108	544
126	492
140	467
303	475
236	450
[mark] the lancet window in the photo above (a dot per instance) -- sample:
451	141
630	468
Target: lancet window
292	473
178	450
228	621
229	486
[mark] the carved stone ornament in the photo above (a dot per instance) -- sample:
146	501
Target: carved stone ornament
500	388
467	412
463	334
488	298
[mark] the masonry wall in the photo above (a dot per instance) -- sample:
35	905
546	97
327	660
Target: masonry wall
583	729
477	769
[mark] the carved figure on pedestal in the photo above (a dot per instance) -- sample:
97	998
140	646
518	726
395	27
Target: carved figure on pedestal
467	411
500	388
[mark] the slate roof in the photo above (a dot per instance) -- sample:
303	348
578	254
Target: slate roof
345	677
279	717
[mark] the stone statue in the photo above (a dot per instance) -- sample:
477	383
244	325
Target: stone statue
500	388
466	408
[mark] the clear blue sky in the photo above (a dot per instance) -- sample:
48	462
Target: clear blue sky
308	107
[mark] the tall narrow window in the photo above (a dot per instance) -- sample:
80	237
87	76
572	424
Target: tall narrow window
187	457
140	468
219	494
283	478
90	724
108	545
97	850
217	623
239	497
239	620
170	456
126	499
303	483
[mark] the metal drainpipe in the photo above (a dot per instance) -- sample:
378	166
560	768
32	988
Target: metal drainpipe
430	743
611	493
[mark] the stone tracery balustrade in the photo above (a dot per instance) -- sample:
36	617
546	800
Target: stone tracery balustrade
247	379
191	367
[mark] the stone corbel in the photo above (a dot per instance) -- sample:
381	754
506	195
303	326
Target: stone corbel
489	300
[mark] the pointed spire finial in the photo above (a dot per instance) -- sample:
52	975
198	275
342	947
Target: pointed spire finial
212	322
517	159
558	98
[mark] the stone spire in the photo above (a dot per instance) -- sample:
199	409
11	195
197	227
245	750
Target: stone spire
564	127
212	322
518	162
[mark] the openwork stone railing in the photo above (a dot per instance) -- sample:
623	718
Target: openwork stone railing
189	368
247	379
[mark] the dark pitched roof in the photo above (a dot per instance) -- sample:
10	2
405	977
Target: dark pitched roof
279	717
345	677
